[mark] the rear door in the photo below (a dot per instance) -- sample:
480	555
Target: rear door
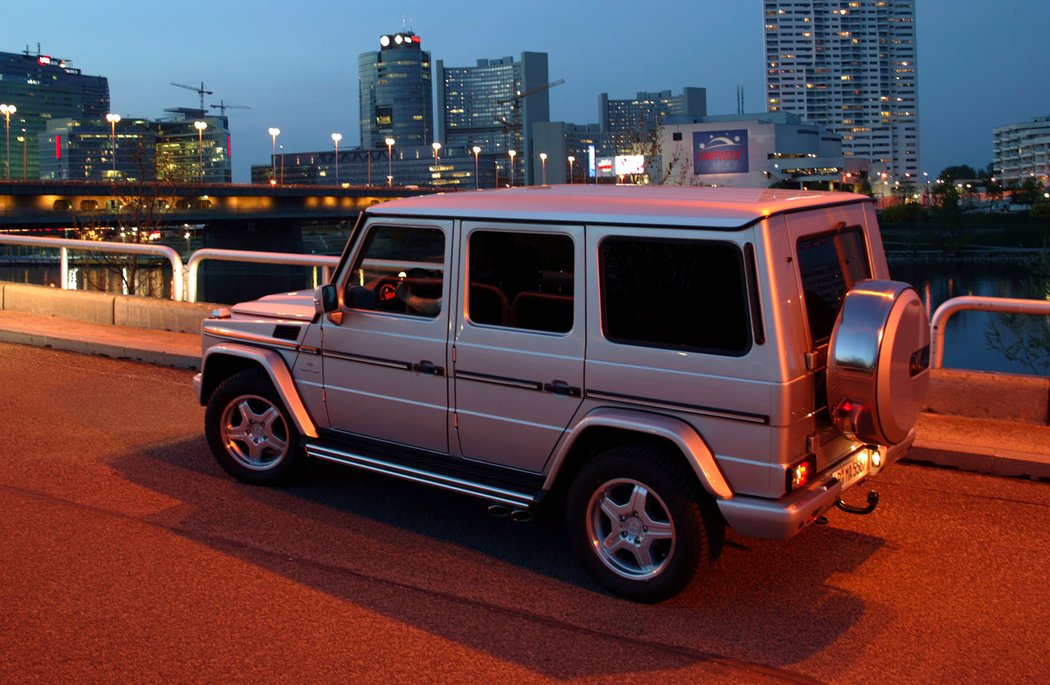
519	340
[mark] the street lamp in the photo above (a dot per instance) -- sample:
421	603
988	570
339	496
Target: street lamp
7	111
113	119
200	126
512	153
571	160
336	137
390	162
543	165
437	146
274	132
24	138
476	150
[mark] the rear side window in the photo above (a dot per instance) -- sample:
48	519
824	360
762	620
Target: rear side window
830	264
678	294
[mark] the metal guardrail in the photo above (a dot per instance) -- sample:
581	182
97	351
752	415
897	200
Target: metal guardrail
64	245
326	262
1002	305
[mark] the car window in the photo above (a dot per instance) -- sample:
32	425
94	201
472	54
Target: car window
679	294
400	269
520	280
830	264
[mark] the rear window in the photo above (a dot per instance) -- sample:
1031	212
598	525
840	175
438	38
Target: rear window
678	294
830	264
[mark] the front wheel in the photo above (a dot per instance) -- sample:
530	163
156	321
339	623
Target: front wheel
250	432
638	523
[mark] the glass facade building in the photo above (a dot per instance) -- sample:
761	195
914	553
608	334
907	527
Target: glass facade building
396	92
632	126
44	88
849	65
494	105
1023	151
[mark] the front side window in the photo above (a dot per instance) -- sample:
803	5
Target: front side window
400	269
678	294
830	264
520	280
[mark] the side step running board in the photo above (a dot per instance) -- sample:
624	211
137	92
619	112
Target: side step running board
427	477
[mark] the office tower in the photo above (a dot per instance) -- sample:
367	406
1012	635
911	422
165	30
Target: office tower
43	88
850	65
396	95
494	105
631	126
1023	151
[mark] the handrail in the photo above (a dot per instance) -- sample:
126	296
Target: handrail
1005	305
324	261
66	244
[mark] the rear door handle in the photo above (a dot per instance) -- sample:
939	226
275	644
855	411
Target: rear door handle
561	388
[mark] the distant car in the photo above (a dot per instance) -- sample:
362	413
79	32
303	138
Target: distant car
663	362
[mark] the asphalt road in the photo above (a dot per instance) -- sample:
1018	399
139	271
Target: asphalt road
127	555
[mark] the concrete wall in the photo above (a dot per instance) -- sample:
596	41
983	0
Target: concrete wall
116	310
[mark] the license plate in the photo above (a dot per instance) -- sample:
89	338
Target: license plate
853	470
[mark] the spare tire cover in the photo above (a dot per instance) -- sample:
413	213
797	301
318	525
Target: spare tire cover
878	362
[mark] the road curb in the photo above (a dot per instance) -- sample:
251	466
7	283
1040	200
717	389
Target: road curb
160	357
997	462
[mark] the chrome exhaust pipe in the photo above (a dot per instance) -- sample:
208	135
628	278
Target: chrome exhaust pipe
521	515
499	510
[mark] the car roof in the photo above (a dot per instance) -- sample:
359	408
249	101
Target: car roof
725	208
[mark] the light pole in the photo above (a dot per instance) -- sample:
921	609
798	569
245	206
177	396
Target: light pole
512	153
543	165
476	150
274	132
571	160
113	119
25	138
7	111
390	162
336	137
437	147
369	151
200	126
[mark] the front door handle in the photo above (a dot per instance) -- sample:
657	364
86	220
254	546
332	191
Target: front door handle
561	388
429	368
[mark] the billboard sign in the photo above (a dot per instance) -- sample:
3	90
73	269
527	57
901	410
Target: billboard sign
629	164
720	152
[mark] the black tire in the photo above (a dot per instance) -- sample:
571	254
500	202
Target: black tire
250	432
640	524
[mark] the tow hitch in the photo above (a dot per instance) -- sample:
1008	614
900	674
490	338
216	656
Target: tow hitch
873	501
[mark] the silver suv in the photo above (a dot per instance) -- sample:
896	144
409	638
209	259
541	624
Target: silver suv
663	362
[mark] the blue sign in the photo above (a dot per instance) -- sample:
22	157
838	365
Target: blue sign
720	152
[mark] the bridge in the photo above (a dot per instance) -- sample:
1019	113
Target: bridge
61	204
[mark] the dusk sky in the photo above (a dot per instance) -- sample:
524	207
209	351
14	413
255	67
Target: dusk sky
981	64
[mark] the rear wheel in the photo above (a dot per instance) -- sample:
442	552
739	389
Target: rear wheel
250	432
639	524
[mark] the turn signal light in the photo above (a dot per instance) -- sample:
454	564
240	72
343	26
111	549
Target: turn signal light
800	474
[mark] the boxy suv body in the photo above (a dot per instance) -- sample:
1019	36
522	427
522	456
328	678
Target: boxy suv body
662	361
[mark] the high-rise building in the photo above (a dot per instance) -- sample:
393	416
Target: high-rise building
850	65
43	88
632	125
1023	151
396	94
494	105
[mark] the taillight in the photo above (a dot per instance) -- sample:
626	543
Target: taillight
800	474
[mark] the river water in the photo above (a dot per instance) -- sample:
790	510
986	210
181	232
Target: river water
966	336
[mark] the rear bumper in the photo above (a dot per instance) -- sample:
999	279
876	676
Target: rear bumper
785	517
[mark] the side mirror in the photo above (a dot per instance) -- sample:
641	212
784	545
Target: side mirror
326	299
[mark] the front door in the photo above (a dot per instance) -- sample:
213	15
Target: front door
385	364
519	341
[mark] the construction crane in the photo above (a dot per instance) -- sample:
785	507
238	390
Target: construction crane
199	91
222	107
519	96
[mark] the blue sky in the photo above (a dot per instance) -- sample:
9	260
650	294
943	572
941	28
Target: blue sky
981	64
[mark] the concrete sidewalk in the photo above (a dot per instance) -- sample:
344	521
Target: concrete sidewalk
978	442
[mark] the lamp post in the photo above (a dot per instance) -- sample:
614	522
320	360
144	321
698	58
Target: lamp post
200	126
369	151
437	147
113	119
25	139
543	165
571	160
476	150
389	162
512	153
336	137
7	111
274	132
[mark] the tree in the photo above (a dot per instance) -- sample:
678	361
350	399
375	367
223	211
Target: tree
958	172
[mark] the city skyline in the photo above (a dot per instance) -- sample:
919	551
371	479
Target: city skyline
297	70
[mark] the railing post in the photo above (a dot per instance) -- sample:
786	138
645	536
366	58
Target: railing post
63	271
